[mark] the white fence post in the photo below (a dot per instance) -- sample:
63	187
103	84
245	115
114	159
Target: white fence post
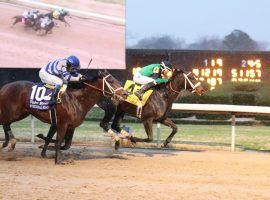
233	133
32	129
158	135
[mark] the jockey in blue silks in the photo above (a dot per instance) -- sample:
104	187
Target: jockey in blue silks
59	73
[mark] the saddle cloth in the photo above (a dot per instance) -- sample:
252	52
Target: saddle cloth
132	87
40	96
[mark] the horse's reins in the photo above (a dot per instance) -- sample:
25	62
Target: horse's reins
112	90
186	80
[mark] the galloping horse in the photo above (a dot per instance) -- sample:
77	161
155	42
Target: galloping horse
26	21
46	29
156	108
14	106
60	17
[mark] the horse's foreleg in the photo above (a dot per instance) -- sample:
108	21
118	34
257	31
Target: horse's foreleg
109	113
61	131
168	122
148	126
48	140
15	22
66	23
68	139
118	118
6	130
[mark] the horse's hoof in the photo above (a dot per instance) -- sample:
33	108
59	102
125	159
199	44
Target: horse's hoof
65	162
65	147
12	144
43	154
5	144
117	145
132	140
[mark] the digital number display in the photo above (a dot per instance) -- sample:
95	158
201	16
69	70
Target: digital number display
249	71
215	70
210	71
212	67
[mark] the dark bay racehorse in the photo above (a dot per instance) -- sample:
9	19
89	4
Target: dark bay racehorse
14	100
47	29
155	109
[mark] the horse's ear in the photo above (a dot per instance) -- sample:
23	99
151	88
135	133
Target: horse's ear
178	70
100	73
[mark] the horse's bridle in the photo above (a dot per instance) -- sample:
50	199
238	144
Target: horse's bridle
187	80
112	90
105	82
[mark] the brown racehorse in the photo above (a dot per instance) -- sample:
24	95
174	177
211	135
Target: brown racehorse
156	108
14	100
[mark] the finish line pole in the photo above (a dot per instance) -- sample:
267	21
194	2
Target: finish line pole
233	133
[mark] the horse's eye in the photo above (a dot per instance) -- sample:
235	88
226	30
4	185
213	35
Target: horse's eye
110	80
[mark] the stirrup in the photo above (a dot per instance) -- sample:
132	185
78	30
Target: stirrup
58	100
139	95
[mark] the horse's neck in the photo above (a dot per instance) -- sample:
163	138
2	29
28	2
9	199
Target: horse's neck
87	96
174	88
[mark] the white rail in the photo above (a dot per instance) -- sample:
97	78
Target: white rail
210	109
220	109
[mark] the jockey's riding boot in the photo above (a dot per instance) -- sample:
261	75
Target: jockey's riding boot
53	100
143	89
61	91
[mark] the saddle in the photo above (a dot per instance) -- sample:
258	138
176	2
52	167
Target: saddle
132	87
41	95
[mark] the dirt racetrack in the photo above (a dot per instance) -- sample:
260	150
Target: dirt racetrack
100	173
102	40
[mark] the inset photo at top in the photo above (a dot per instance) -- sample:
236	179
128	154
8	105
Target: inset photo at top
36	32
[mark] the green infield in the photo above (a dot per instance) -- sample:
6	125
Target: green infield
247	137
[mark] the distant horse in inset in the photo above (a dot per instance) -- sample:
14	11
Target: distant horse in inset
45	27
60	17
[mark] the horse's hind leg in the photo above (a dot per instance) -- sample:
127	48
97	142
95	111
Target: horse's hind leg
10	140
68	139
168	122
148	126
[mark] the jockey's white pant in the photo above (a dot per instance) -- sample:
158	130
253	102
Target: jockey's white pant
48	78
140	79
